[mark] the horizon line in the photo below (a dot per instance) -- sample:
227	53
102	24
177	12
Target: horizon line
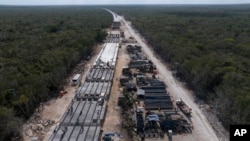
114	4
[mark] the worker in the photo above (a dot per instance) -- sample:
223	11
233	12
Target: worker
61	93
81	130
61	137
71	110
63	132
77	122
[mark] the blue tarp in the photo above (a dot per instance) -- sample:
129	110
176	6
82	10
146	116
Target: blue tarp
113	134
109	134
140	92
153	117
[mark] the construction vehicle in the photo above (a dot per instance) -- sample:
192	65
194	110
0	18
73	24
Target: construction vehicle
184	107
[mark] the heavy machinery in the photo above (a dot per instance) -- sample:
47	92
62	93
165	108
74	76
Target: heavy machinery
184	107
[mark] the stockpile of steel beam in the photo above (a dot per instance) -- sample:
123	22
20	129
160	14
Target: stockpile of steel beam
140	123
157	83
157	104
177	126
154	89
139	63
156	98
151	129
133	49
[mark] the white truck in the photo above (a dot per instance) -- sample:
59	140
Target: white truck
76	79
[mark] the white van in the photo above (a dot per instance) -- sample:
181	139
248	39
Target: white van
76	79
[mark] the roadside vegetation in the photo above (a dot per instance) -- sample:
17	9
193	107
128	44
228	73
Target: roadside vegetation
207	47
38	48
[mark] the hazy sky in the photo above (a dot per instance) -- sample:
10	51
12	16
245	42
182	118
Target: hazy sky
78	2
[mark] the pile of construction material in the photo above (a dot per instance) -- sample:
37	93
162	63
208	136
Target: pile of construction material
83	120
113	38
156	97
140	123
154	101
86	113
172	120
155	112
134	49
36	126
93	90
100	74
112	136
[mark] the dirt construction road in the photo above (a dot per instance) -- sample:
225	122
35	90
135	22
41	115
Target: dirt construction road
113	118
203	131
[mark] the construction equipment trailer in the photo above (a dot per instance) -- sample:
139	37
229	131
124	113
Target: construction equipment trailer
184	107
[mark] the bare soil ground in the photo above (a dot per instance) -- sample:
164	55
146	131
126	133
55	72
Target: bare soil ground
54	109
113	118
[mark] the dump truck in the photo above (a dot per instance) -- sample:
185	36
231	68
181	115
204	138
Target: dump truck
184	107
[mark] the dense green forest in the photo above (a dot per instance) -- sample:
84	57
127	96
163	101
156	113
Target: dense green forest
38	48
207	46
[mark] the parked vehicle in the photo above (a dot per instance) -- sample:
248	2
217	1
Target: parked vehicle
76	79
184	107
